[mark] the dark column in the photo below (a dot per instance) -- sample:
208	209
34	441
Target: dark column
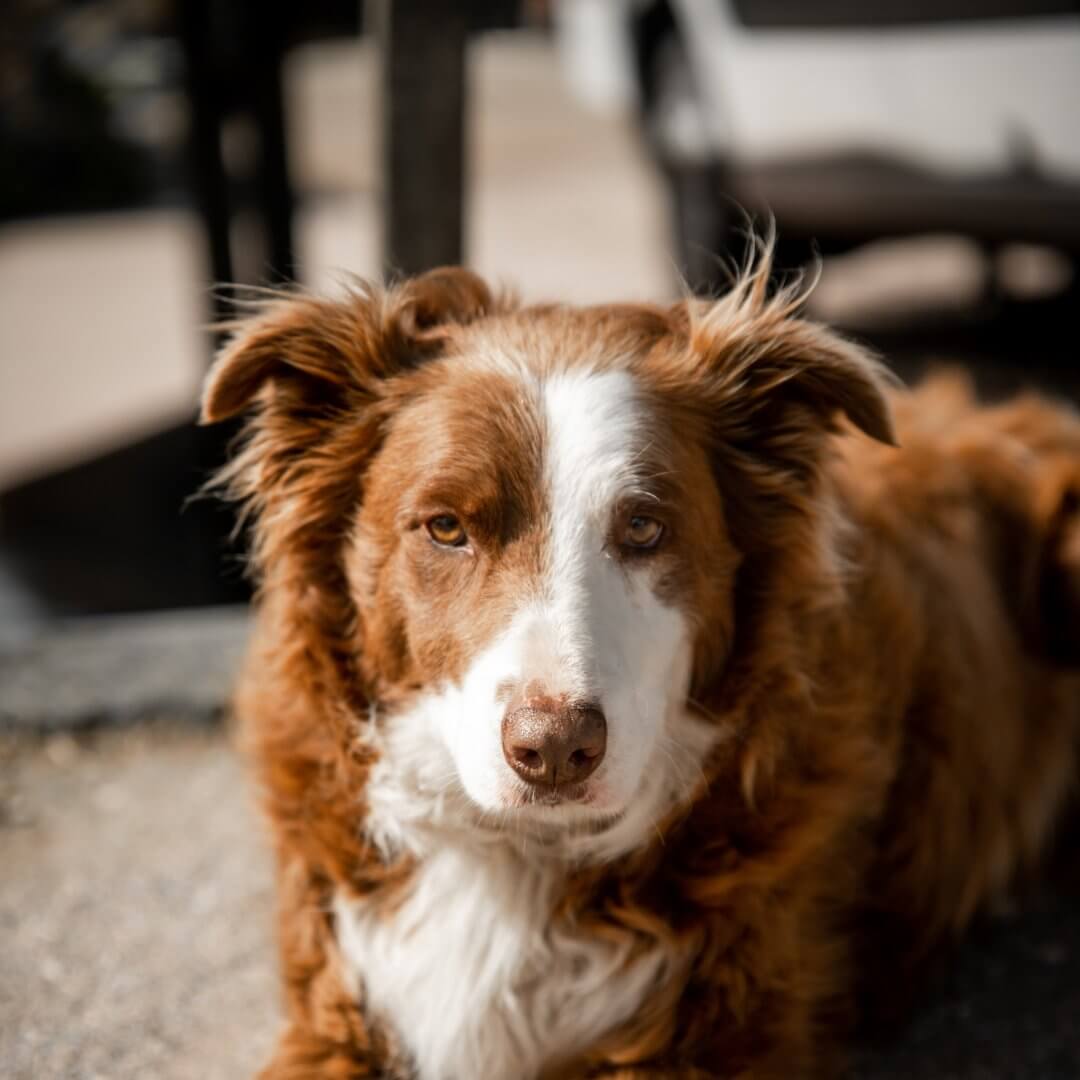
234	55
422	52
206	99
268	25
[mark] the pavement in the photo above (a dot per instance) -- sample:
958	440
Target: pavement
135	908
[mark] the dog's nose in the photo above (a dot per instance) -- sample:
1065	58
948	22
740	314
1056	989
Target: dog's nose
556	745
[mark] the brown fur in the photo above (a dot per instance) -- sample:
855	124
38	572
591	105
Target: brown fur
891	633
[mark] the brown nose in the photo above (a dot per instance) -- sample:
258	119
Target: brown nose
553	746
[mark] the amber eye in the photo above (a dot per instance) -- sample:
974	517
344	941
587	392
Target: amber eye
447	531
642	533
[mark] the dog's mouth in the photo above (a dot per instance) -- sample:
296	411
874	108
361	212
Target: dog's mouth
559	812
551	821
563	795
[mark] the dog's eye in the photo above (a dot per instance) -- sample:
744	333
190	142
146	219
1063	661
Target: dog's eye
642	533
447	531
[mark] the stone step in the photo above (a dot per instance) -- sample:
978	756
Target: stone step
116	669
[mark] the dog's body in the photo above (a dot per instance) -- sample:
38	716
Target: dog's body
618	714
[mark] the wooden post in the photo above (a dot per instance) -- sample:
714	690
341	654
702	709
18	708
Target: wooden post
422	53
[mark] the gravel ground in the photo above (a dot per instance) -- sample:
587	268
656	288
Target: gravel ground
136	905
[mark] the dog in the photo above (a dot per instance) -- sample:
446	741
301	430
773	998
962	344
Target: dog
637	691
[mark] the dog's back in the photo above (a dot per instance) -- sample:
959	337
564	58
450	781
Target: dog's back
998	485
974	555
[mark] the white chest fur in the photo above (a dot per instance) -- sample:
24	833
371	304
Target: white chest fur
475	978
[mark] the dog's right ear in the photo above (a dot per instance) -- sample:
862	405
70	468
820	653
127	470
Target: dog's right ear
307	350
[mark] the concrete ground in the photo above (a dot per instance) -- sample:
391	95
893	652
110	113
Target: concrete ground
135	908
135	901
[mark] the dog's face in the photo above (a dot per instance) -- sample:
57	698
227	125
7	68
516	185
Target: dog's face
537	518
531	550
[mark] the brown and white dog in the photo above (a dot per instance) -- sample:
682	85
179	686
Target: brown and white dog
627	704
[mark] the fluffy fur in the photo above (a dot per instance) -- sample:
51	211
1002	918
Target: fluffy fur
841	698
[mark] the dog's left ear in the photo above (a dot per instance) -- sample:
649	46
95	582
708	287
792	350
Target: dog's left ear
312	348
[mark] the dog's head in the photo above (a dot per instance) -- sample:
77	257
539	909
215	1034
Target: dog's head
528	538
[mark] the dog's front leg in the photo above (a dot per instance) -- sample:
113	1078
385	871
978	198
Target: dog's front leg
689	1072
302	1054
657	1072
327	1034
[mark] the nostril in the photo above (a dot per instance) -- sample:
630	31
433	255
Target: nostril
580	758
529	759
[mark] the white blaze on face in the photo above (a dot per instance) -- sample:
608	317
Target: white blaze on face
593	628
630	650
521	992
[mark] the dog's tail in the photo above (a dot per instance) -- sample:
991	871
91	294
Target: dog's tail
1036	516
1023	458
1045	553
1021	467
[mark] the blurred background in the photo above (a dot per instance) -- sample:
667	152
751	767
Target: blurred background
583	149
153	152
